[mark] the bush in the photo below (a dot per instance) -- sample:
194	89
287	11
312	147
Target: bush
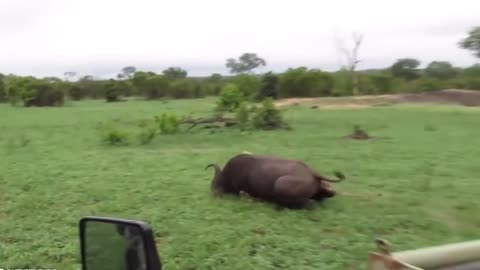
153	87
168	123
183	88
230	98
268	87
147	134
301	82
427	84
112	91
473	83
242	116
268	117
113	136
43	94
248	85
382	83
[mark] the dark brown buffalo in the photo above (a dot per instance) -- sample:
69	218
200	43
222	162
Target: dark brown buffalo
288	183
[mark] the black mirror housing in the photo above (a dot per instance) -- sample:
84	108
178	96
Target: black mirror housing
112	243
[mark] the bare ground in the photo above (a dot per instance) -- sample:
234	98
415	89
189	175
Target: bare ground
450	96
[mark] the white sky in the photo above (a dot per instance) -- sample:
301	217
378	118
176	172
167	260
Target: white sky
48	37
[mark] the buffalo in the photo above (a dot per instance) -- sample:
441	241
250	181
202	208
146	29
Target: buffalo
286	182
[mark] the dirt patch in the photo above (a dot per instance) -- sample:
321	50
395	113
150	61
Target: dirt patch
451	96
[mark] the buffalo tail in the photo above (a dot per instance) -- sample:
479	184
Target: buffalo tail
218	174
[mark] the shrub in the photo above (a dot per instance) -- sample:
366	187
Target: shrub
112	91
382	83
43	94
242	116
182	88
248	85
151	86
113	136
168	123
230	98
473	83
301	82
268	117
427	84
268	87
147	134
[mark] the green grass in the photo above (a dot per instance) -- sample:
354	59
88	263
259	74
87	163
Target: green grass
416	186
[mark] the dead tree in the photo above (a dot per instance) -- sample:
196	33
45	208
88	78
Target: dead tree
351	56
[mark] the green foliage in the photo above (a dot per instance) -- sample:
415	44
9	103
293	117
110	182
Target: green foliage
168	123
247	62
127	72
230	98
114	136
248	85
472	41
76	92
35	92
113	91
184	88
175	73
473	71
342	82
268	117
302	82
473	83
147	134
441	70
3	90
406	68
154	87
428	84
382	83
268	87
242	116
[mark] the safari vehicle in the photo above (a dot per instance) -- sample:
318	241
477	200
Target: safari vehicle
111	243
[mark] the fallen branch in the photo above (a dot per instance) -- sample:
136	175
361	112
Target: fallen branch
218	121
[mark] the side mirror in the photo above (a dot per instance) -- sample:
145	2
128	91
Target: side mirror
110	243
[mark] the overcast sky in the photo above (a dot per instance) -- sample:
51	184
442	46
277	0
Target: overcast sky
48	37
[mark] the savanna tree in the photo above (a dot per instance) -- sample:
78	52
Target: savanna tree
247	62
472	41
406	68
175	73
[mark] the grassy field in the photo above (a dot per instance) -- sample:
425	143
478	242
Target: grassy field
416	185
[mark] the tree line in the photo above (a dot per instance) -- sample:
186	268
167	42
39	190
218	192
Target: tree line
174	83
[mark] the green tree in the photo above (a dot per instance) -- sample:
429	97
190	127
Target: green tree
247	62
20	89
472	41
69	75
112	91
441	70
182	88
268	87
175	73
127	72
406	68
156	86
3	91
249	85
302	82
268	116
230	98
